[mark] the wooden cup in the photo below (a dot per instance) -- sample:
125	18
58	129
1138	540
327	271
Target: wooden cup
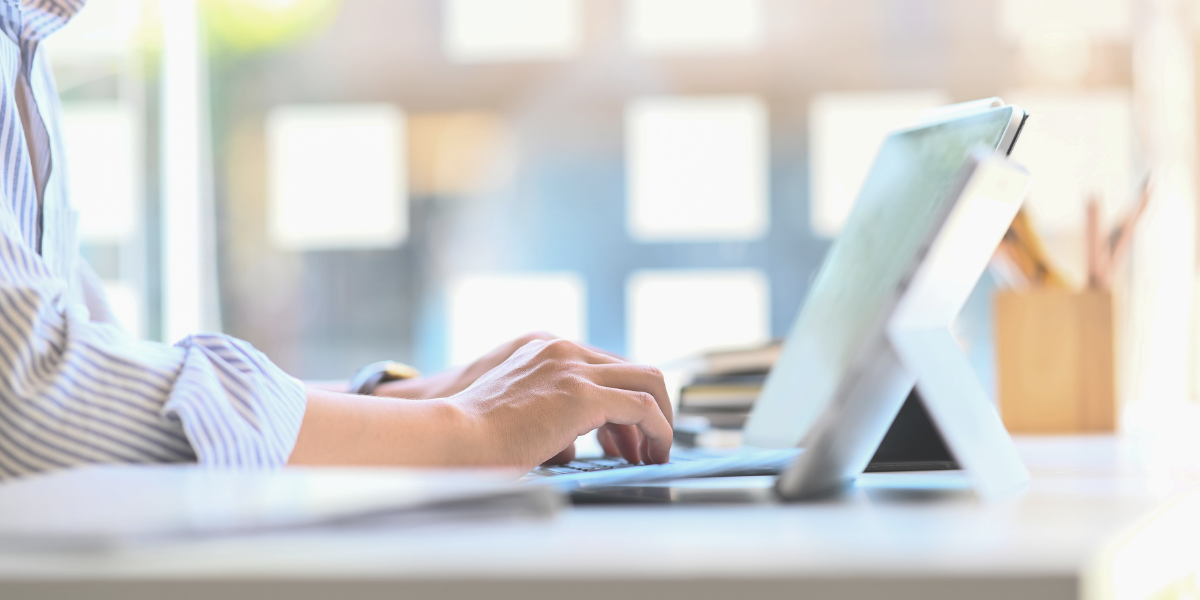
1054	356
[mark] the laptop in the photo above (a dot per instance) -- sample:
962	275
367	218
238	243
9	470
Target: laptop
936	203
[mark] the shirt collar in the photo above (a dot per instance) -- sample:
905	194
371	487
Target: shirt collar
32	20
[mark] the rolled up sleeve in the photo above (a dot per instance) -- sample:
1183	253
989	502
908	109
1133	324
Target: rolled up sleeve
236	407
74	391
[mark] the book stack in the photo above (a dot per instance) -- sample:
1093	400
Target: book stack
714	405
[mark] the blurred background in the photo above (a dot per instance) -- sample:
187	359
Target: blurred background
343	181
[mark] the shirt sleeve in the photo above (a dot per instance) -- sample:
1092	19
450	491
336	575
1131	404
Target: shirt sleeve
76	392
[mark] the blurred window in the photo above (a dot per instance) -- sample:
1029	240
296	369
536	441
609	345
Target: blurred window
336	177
102	166
486	310
126	305
511	30
694	26
1082	145
1106	19
100	71
103	29
671	314
696	168
845	131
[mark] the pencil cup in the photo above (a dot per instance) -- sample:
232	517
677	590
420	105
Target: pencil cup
1054	357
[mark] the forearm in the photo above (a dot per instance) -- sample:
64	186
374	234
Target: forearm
344	429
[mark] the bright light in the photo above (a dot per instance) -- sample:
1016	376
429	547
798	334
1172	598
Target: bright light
1076	144
102	28
336	177
189	279
126	306
1105	19
511	30
487	310
694	26
845	132
696	168
674	314
101	153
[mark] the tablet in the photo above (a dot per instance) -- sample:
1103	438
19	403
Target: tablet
840	381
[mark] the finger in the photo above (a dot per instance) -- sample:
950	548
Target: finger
625	407
604	436
610	433
636	378
627	441
564	457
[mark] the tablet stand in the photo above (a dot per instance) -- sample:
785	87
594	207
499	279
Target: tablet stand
916	346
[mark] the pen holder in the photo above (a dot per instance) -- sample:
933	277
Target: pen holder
1054	357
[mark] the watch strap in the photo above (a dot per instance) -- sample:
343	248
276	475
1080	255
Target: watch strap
370	377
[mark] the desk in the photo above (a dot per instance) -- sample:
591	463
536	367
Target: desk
880	540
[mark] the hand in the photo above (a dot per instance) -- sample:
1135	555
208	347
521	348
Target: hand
452	381
536	402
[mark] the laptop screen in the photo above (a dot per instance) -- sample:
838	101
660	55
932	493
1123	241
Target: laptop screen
856	287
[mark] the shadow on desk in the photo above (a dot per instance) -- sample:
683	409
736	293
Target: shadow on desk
910	487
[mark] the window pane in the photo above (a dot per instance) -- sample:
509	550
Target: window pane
696	168
511	30
1107	19
1082	145
100	138
490	309
694	26
336	177
678	313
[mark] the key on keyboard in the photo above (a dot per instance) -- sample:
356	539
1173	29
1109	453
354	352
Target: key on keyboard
587	465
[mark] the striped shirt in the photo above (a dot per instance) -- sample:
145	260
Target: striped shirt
74	388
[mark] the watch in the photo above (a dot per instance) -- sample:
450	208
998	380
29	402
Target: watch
368	378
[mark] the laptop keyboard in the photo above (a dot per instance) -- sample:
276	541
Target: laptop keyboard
589	465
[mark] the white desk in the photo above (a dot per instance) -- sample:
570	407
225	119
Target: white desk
878	541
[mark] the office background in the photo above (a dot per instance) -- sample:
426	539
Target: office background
344	181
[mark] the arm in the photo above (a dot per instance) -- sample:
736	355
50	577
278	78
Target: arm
74	392
521	413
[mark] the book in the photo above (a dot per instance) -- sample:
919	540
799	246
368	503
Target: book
727	397
712	420
722	392
758	359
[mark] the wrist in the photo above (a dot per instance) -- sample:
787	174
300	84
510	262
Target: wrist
464	435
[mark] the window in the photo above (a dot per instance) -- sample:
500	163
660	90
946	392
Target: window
694	26
336	177
696	168
101	141
1082	144
486	310
677	313
511	30
1108	19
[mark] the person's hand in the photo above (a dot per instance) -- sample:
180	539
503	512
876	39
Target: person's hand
452	381
533	405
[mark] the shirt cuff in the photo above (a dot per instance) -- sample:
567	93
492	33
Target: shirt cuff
236	407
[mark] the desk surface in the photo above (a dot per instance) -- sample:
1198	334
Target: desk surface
886	536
